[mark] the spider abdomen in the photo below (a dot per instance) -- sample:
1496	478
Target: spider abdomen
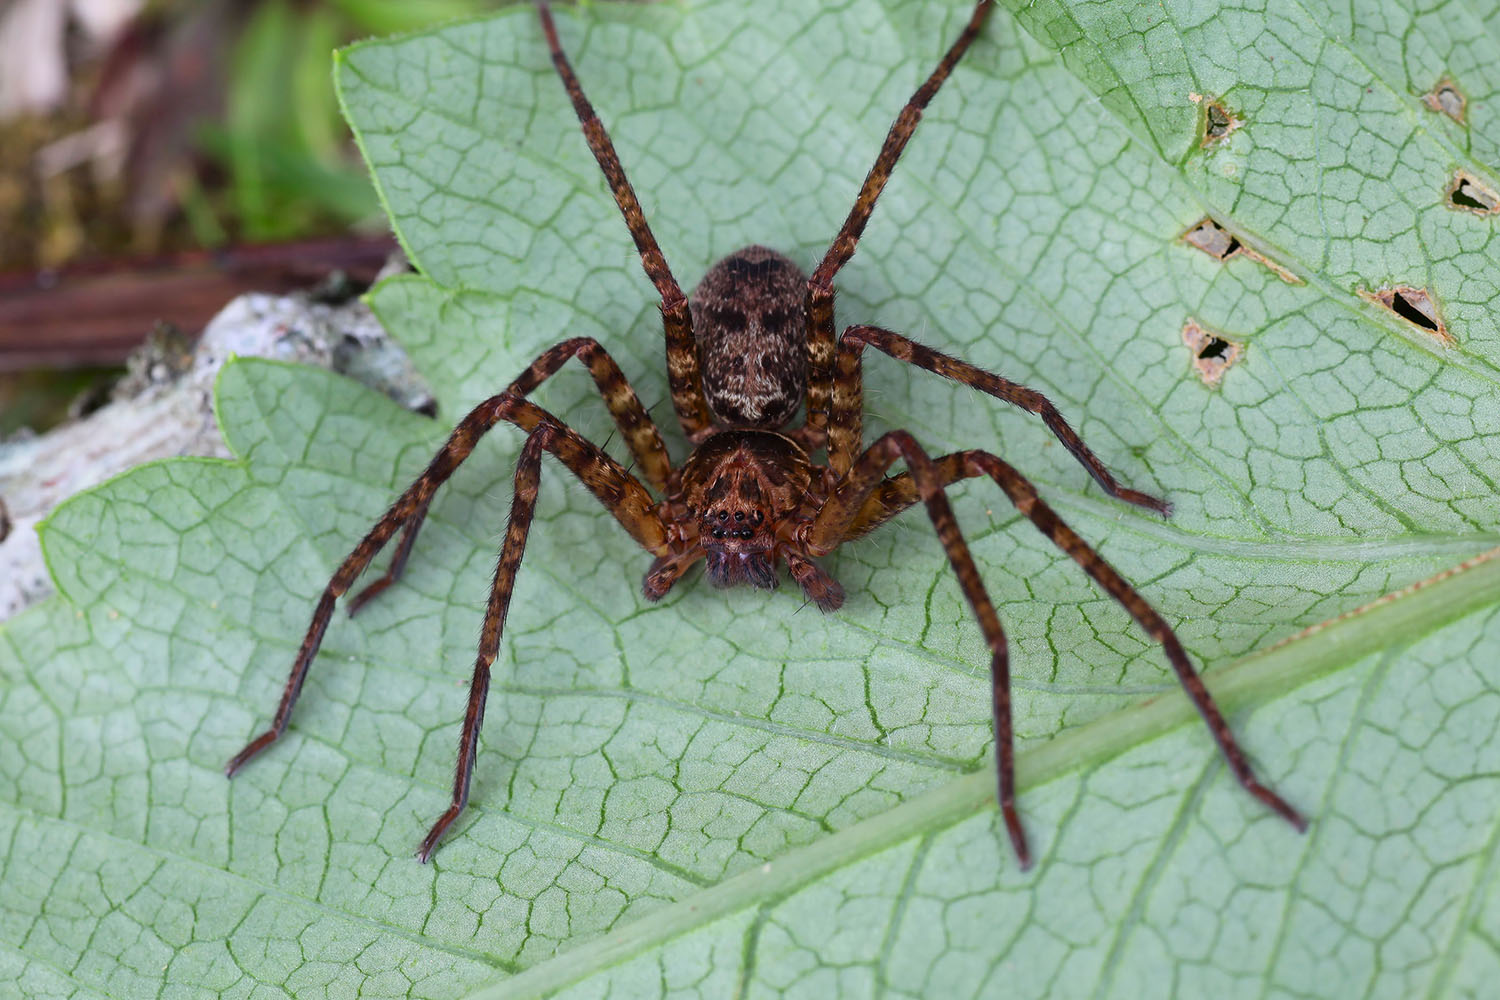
750	317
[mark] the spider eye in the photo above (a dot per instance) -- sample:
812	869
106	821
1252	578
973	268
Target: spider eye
723	515
739	515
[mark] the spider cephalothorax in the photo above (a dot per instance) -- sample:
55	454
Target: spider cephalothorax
740	487
756	342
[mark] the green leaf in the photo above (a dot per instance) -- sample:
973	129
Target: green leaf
719	793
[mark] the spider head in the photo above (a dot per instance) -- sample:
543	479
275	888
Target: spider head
739	487
735	528
737	539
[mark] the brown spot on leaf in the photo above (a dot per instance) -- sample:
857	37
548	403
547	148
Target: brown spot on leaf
1212	354
1220	244
1218	122
1445	98
1468	194
1213	239
1414	305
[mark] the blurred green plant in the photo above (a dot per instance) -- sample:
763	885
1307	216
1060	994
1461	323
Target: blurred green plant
282	144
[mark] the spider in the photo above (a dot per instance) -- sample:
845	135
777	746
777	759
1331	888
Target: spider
754	343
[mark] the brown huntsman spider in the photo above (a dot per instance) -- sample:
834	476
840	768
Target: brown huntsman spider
754	343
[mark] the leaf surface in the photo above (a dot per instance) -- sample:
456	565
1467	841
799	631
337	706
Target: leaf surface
723	792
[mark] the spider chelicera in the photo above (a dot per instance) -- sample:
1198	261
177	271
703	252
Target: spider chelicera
755	341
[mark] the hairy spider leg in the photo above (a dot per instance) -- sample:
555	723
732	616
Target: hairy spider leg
819	586
683	374
635	425
666	570
844	432
820	340
827	533
409	529
897	493
620	492
522	507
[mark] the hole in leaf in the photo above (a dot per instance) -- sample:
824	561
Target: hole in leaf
1220	244
1416	306
1218	121
1467	193
1445	98
1212	354
1412	311
1213	239
1215	349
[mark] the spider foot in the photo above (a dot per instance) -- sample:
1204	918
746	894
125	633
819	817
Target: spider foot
252	748
430	842
1146	500
1017	835
1277	804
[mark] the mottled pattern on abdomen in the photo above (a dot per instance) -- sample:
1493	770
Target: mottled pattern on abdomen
750	321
